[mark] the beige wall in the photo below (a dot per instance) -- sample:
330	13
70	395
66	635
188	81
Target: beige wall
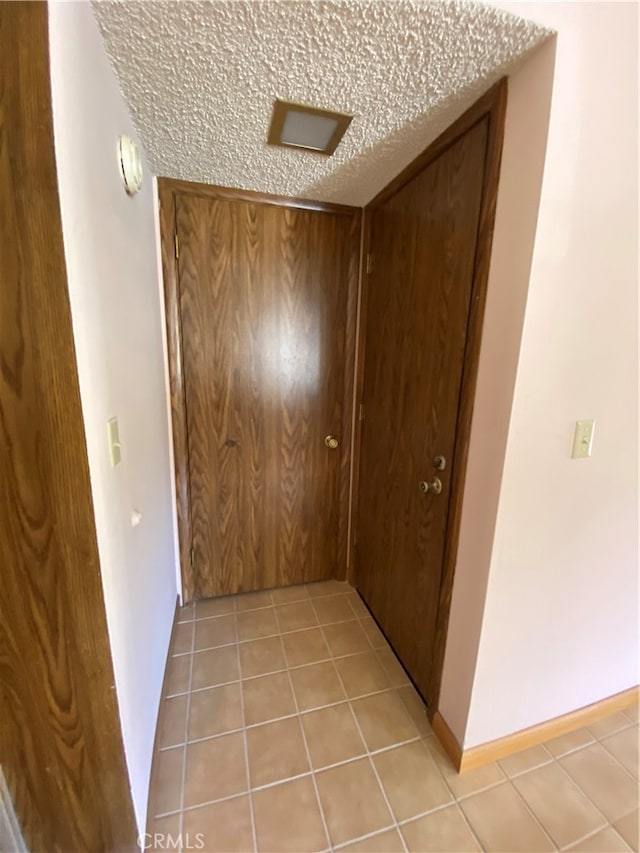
545	609
111	261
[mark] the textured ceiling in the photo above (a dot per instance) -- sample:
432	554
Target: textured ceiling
200	79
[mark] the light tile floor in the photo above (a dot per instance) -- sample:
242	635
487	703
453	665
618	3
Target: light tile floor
289	725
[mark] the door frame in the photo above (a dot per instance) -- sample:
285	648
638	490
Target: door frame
492	106
168	188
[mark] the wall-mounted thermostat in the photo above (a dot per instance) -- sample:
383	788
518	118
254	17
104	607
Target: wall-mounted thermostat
130	164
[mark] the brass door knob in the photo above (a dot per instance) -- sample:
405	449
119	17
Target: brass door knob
331	442
434	486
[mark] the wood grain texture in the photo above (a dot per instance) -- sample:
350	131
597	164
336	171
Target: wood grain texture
233	194
60	740
418	308
494	106
166	199
267	305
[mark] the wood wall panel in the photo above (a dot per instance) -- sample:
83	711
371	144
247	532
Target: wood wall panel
60	742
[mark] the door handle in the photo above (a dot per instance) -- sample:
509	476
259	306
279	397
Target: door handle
331	442
434	486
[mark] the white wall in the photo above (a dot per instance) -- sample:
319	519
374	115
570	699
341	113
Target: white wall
560	623
113	283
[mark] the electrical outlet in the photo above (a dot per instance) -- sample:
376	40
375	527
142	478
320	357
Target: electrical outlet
583	439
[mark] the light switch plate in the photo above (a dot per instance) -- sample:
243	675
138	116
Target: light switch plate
583	439
114	441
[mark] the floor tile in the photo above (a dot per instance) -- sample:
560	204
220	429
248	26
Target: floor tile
567	743
392	667
604	841
388	841
294	617
469	782
352	801
445	831
411	780
159	829
416	708
628	827
288	819
220	827
334	608
362	674
373	633
253	600
172	720
182	638
215	710
608	785
608	725
217	666
215	768
166	781
218	631
633	713
288	594
332	735
625	748
276	752
502	821
260	657
267	698
560	806
215	607
305	647
528	759
357	605
253	624
346	638
176	678
327	588
186	613
316	685
384	720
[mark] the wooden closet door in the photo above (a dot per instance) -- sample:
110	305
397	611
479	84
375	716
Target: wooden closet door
423	242
263	300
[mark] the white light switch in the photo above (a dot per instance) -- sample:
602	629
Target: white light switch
114	441
583	439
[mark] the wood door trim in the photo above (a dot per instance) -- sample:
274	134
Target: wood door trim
60	740
231	193
167	211
491	106
168	188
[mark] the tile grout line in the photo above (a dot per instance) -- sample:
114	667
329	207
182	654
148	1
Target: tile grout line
304	740
269	636
591	834
186	732
302	600
246	749
366	745
298	775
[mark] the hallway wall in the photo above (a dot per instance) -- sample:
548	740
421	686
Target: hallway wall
110	247
559	626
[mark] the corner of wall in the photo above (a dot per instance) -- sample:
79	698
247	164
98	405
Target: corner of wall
525	138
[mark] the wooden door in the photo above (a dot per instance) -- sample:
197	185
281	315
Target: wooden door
264	304
423	240
61	748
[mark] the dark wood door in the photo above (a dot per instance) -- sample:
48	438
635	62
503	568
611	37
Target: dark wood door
423	241
264	293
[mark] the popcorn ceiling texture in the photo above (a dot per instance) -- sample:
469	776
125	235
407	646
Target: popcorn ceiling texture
200	79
